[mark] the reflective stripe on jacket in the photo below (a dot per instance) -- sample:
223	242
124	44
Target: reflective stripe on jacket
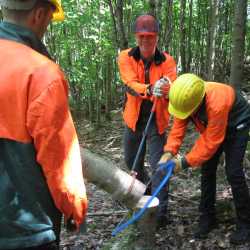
132	72
40	164
223	110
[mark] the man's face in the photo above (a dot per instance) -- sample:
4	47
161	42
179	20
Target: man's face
147	43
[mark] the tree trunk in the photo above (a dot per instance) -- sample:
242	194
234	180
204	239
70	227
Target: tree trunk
190	23
120	25
90	106
183	36
108	87
152	7
130	191
168	27
112	12
106	175
212	39
98	100
223	42
238	43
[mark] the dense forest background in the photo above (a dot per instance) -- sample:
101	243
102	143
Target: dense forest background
207	37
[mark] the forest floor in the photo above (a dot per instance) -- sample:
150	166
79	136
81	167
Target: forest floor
105	214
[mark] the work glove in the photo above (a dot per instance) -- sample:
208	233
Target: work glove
161	88
166	157
178	165
163	168
177	160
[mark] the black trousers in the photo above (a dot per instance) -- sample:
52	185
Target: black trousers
50	246
155	143
234	146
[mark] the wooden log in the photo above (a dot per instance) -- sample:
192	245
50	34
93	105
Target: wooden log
140	235
107	176
147	224
127	189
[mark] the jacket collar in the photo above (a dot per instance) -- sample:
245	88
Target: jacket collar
159	57
201	113
22	35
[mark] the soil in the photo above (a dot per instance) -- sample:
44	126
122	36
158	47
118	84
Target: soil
105	214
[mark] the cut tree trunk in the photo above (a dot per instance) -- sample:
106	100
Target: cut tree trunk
130	191
107	176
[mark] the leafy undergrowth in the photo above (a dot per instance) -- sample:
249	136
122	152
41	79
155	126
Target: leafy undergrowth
105	214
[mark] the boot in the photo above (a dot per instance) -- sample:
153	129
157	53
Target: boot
241	235
206	225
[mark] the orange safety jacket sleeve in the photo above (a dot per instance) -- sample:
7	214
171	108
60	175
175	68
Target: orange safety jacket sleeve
128	74
210	139
207	143
50	124
176	136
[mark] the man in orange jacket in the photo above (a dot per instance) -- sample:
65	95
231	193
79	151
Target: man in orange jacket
40	164
222	116
143	70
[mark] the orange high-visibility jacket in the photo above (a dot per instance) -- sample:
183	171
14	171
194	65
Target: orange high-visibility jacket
212	125
34	111
132	72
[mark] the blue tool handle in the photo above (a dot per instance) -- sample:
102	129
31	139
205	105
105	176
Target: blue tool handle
144	136
170	165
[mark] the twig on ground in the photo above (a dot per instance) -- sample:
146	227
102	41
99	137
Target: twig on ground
121	212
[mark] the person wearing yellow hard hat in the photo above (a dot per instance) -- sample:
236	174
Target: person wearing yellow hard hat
222	116
40	164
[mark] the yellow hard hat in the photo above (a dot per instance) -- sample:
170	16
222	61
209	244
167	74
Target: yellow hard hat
185	95
58	14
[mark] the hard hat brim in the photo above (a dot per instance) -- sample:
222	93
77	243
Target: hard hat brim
176	113
183	115
58	15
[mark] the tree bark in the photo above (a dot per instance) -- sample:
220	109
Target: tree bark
183	36
98	85
152	7
112	12
91	106
116	11
238	43
108	87
190	23
106	175
211	39
168	27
